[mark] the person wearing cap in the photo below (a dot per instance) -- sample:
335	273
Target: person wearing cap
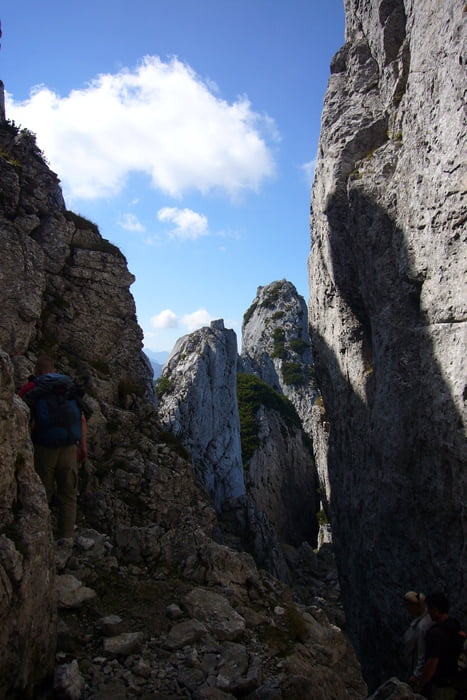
415	635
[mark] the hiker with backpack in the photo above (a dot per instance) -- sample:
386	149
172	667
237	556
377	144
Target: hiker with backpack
443	645
58	433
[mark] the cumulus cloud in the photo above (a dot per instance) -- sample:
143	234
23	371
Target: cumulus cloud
161	119
165	319
130	222
196	320
168	319
189	225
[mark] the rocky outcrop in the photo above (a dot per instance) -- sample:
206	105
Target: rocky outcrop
276	349
66	293
387	312
276	345
198	403
279	465
265	490
57	269
280	478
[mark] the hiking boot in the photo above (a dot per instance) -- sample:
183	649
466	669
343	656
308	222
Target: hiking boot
63	550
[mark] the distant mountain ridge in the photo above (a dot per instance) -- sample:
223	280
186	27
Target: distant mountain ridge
157	360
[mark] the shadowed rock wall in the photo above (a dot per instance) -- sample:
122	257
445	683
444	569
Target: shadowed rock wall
387	312
27	576
281	473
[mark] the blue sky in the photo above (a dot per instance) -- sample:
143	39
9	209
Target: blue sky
187	131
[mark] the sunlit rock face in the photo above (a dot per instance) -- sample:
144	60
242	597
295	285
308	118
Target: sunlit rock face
387	311
199	405
265	497
65	289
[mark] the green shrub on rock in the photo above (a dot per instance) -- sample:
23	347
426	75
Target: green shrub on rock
252	393
292	373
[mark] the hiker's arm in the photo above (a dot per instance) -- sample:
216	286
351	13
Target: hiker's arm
421	655
429	669
25	388
83	446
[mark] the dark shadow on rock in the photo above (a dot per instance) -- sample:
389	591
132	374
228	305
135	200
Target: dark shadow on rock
243	527
396	445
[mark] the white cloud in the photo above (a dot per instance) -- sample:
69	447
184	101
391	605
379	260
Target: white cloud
163	329
130	222
309	170
166	319
161	119
189	225
196	320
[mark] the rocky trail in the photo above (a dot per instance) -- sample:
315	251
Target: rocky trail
133	631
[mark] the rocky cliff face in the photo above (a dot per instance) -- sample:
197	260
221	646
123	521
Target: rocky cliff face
266	492
56	270
387	310
199	405
281	478
276	349
27	576
66	292
276	345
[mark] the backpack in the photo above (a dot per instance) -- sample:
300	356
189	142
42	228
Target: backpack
56	408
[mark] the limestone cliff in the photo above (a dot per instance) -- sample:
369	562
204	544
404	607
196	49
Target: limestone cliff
265	489
199	404
279	470
276	345
387	311
276	349
56	271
